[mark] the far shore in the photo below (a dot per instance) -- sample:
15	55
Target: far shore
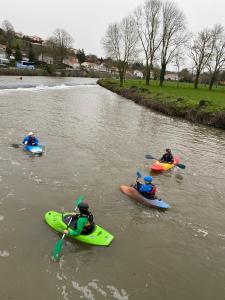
58	72
175	99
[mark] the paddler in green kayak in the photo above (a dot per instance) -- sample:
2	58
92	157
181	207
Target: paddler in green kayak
84	221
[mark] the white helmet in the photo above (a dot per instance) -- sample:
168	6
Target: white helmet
30	133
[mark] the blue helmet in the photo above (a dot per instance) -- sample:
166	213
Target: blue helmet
148	178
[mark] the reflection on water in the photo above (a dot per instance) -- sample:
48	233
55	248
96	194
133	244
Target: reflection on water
95	141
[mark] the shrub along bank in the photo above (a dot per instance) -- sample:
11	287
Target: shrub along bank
175	99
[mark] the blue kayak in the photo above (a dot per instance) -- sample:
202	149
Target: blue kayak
134	194
34	149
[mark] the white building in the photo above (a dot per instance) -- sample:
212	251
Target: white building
171	76
138	74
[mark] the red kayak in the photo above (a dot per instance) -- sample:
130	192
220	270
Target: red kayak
159	167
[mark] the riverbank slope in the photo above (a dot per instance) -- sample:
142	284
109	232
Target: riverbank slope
175	99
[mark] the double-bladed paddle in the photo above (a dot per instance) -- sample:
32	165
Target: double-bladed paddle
138	174
58	246
149	156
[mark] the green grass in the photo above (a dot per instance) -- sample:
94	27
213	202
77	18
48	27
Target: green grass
182	94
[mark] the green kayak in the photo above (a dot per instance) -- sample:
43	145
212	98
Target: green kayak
98	236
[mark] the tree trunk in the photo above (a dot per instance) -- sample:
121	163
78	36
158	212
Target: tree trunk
211	83
196	80
147	76
162	74
121	74
212	80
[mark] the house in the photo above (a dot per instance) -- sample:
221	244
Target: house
72	61
138	74
3	54
171	76
46	58
36	39
90	66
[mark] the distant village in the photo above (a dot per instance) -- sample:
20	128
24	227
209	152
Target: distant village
21	51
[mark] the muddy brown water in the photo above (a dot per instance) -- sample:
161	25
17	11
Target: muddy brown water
96	140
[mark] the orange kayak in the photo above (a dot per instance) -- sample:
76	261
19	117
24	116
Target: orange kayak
159	167
134	194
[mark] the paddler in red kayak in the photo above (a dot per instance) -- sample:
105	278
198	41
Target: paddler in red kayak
167	157
148	190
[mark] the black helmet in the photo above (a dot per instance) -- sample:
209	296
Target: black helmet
168	150
83	206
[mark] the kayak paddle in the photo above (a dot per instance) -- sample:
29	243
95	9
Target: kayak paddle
138	174
149	156
16	145
58	246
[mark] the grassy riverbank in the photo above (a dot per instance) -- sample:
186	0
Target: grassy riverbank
175	99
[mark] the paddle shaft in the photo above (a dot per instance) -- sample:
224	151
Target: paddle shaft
69	223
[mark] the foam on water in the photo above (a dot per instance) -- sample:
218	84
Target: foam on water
41	87
4	253
87	292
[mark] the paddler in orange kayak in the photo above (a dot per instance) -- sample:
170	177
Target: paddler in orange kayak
148	190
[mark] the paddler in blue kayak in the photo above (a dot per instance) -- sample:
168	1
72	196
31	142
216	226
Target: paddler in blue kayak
84	221
148	190
31	139
167	157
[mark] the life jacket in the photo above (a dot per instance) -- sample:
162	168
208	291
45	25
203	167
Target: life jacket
151	194
31	140
167	157
89	226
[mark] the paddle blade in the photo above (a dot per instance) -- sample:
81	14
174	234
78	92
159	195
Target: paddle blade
148	156
15	145
181	166
78	200
58	249
138	174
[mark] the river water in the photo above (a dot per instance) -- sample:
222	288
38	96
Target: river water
96	140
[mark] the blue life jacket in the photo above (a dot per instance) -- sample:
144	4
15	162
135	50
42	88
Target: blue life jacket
30	140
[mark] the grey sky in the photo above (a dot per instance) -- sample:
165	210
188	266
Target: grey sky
87	20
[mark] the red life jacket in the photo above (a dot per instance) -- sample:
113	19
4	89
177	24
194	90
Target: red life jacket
153	191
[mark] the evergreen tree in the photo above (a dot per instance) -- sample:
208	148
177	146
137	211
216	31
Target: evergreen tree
81	56
31	54
18	54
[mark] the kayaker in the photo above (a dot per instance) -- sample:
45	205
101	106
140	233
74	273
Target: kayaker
30	139
148	189
167	157
84	223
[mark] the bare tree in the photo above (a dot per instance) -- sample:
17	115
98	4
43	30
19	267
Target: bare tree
147	19
178	59
9	32
120	43
63	41
173	34
201	51
50	48
217	60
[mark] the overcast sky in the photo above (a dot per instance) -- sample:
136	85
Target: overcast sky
87	20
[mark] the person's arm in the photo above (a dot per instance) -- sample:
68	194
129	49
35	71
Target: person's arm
25	140
162	159
36	141
170	159
80	226
138	184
